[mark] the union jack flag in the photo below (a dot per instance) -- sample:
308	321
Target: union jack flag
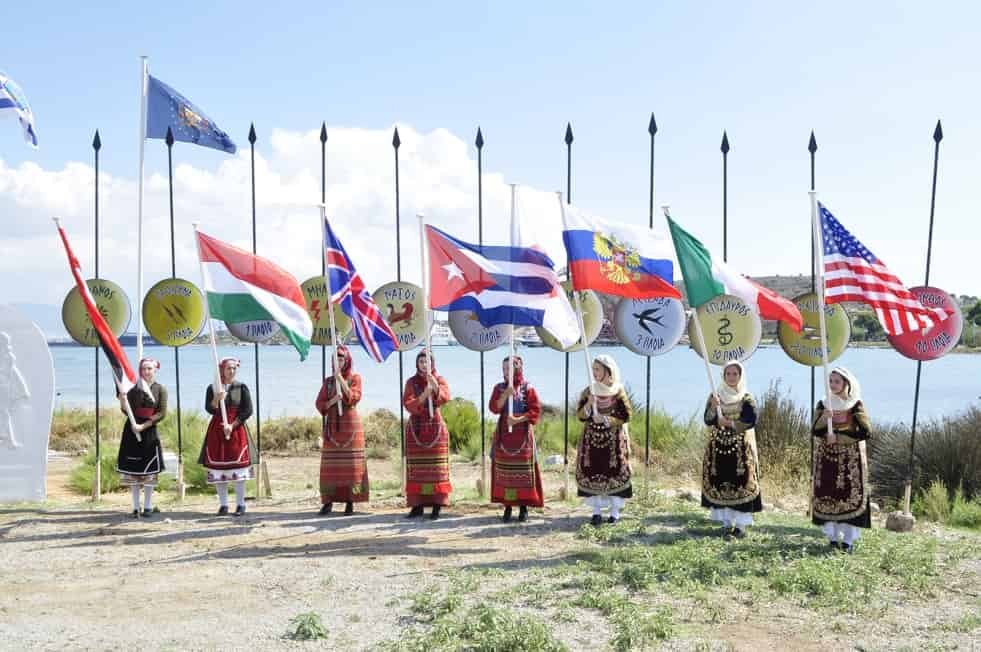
853	273
348	289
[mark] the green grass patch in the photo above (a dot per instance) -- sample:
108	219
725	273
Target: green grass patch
306	627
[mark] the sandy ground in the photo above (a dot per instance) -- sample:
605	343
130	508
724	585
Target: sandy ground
77	575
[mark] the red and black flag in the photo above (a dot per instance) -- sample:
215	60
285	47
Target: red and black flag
122	372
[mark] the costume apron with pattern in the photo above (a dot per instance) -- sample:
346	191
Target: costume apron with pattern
427	446
228	460
841	491
603	458
343	467
730	466
139	462
515	477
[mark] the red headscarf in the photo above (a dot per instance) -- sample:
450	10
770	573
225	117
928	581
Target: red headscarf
519	366
347	365
149	361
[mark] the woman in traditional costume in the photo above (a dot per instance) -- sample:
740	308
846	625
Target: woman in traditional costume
140	458
515	476
427	441
730	467
225	453
603	458
840	495
343	468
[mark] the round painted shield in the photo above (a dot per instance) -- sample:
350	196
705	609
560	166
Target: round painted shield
315	293
935	342
592	318
173	312
469	332
253	331
649	326
111	301
732	330
404	310
805	347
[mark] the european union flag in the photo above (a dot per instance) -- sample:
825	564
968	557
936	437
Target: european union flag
165	107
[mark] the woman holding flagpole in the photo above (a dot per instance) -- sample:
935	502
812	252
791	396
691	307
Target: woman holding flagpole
343	467
515	476
603	458
427	441
225	453
841	491
140	458
730	466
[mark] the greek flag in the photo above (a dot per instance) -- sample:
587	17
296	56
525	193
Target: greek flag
14	102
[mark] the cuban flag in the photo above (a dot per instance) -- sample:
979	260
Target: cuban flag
499	284
348	289
14	102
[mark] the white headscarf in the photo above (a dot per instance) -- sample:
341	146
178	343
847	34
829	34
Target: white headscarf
852	393
731	395
602	389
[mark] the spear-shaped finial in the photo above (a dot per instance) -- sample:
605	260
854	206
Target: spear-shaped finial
252	133
568	133
323	132
396	141
812	146
97	142
725	142
480	139
652	125
170	138
938	133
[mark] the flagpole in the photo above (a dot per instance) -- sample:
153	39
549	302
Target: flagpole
425	296
511	356
97	489
479	142
211	330
144	71
819	272
698	328
330	312
652	130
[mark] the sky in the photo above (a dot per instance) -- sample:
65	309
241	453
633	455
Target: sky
871	80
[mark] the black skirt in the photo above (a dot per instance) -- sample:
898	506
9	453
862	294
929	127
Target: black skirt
140	457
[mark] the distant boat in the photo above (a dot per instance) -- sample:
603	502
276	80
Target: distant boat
441	335
129	339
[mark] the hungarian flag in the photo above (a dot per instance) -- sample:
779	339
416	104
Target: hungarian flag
242	287
121	370
707	277
616	258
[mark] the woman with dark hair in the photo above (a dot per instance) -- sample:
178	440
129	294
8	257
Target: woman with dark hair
225	453
343	468
515	476
427	441
140	458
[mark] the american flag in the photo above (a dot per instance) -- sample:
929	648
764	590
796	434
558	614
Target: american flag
348	289
853	273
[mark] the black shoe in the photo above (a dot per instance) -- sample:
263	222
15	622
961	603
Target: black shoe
612	520
523	514
415	512
834	545
435	514
507	514
597	520
147	513
325	510
348	509
223	510
136	513
737	533
240	510
848	549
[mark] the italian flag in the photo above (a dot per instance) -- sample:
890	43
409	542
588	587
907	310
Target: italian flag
242	287
707	277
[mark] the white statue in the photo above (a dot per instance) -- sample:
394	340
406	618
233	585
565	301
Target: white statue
13	391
